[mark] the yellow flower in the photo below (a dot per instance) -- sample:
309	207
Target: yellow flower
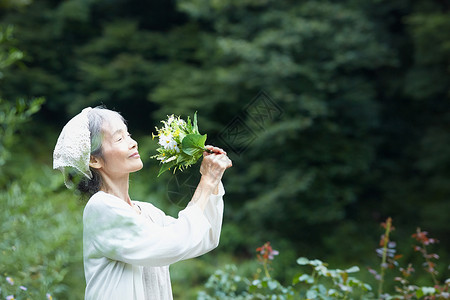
177	133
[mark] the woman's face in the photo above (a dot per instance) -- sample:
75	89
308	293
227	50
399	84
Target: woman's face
120	151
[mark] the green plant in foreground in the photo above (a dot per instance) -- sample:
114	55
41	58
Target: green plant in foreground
324	283
328	284
227	285
40	249
411	291
265	256
16	292
387	254
407	290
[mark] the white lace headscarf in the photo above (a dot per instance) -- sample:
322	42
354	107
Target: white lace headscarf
79	139
73	148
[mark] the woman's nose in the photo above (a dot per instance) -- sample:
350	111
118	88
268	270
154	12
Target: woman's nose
133	143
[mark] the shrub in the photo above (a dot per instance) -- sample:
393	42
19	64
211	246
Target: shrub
321	282
40	225
41	241
389	260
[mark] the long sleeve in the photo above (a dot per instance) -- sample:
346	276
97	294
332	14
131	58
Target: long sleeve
113	230
213	213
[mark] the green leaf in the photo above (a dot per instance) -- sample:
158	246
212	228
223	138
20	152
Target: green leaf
193	144
182	135
427	290
303	261
419	293
182	157
352	269
322	289
333	292
311	294
166	167
316	262
344	277
195	129
306	278
272	285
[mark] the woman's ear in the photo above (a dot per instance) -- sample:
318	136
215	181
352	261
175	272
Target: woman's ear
95	162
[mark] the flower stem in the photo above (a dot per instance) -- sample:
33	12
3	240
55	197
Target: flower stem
266	270
383	259
427	259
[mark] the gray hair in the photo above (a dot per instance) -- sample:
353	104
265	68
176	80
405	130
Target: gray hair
97	118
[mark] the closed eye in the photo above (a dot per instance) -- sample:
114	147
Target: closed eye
121	138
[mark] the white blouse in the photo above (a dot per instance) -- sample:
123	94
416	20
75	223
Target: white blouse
127	255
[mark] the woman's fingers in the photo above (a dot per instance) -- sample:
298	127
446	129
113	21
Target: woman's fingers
220	160
215	165
224	161
216	150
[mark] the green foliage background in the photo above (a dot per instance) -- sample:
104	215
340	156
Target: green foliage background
362	132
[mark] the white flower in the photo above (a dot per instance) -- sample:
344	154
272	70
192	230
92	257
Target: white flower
167	141
10	280
170	119
170	159
172	145
180	122
163	139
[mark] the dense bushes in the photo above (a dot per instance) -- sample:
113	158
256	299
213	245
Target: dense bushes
318	281
40	224
41	239
41	230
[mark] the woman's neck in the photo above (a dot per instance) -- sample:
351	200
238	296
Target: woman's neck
117	187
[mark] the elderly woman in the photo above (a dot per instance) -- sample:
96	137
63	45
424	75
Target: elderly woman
129	245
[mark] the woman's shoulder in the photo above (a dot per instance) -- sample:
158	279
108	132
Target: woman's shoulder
98	198
104	201
105	210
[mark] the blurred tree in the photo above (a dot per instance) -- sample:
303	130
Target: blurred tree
414	156
316	61
90	53
12	115
40	256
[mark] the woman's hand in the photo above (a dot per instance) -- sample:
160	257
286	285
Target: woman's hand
212	168
214	164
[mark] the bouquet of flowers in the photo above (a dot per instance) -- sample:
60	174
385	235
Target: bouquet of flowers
181	144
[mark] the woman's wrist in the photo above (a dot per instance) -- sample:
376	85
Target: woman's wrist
209	183
205	189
